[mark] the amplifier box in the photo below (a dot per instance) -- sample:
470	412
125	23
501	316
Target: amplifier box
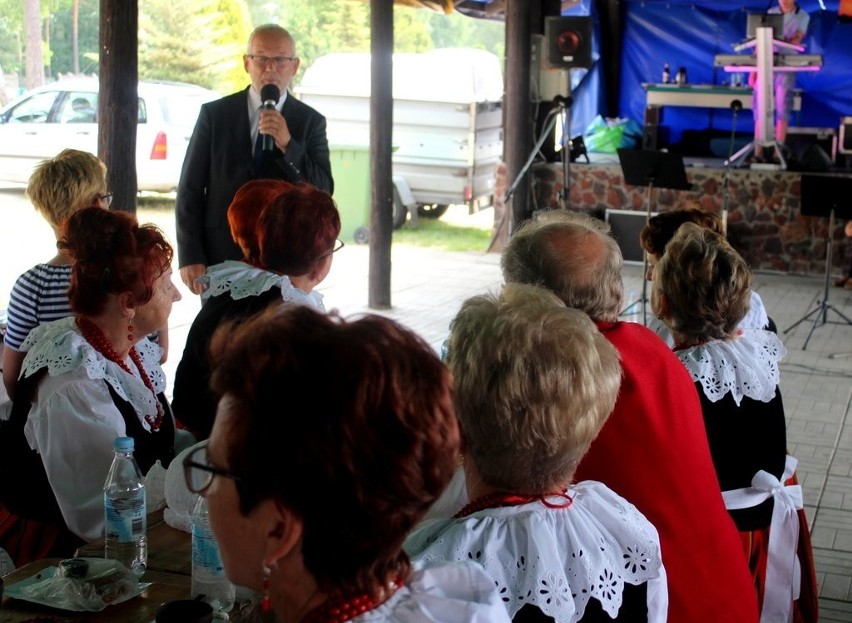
802	140
844	145
625	226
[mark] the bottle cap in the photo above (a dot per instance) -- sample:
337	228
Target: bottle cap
123	444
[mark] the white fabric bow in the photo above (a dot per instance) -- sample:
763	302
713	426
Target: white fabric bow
783	571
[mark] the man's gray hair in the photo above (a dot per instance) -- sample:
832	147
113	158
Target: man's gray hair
574	256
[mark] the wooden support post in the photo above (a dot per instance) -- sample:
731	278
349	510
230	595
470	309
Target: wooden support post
381	165
118	104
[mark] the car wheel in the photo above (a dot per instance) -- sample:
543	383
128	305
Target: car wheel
362	235
400	212
432	210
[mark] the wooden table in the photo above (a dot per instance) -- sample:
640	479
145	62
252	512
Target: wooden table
169	571
169	549
141	609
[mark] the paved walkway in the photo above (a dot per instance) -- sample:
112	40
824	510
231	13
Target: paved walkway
428	287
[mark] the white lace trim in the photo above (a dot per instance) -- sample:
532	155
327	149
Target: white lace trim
241	280
556	559
746	365
59	347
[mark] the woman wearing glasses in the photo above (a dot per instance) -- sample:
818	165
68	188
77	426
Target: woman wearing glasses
86	380
57	188
332	438
288	235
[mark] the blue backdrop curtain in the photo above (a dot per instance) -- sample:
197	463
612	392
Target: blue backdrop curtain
690	34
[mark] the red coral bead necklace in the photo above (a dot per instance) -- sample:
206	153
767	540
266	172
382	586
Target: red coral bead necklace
498	500
347	608
94	336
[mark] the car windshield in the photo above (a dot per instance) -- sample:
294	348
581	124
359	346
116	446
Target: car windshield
182	111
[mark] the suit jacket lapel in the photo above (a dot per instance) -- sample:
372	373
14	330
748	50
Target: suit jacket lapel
240	125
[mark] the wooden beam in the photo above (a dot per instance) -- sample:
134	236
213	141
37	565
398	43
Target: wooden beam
118	105
517	141
381	165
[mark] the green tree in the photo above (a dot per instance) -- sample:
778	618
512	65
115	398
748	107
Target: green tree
193	41
411	30
61	38
233	24
457	30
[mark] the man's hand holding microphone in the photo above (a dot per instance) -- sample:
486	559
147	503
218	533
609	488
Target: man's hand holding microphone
272	125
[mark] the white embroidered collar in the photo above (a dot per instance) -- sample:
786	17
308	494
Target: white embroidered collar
554	558
241	280
746	365
59	347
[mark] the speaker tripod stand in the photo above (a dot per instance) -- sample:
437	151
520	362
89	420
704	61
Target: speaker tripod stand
821	193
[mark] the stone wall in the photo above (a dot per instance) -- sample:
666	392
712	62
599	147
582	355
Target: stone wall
764	220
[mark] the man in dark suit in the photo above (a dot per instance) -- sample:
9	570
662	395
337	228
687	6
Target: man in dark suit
224	153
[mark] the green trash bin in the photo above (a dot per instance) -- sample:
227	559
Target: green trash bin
350	166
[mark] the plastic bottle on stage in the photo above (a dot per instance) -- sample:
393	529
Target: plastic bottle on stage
125	521
667	74
209	581
680	78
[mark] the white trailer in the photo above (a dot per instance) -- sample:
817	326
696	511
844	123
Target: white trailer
447	122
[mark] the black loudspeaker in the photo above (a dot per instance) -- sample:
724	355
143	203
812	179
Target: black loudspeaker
813	159
569	42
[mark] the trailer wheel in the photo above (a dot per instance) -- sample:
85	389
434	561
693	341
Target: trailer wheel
361	235
432	210
400	212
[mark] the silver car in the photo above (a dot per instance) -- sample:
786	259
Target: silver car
63	114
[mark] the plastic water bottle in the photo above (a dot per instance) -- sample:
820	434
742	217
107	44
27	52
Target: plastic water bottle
209	581
667	73
125	522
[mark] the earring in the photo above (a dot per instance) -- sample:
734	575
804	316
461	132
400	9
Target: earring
130	331
265	604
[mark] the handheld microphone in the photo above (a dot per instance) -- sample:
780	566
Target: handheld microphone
736	105
269	94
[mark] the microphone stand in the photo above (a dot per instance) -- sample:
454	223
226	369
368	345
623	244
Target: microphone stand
559	103
736	107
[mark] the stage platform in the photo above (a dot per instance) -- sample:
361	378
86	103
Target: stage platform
764	220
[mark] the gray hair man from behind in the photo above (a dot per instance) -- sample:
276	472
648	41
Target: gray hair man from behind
574	256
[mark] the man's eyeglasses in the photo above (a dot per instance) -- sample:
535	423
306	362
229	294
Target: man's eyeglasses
106	198
278	61
199	472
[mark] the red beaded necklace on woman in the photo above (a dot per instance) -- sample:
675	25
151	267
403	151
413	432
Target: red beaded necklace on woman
498	500
347	608
100	343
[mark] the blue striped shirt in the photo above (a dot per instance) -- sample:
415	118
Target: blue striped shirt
40	295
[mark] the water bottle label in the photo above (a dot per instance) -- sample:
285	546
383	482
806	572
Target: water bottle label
205	552
125	518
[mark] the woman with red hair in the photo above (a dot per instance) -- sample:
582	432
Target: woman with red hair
288	234
331	441
86	380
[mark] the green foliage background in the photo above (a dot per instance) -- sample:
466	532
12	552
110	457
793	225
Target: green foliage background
202	41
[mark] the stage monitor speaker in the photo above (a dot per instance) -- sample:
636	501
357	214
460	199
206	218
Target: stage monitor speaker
802	141
625	226
845	143
569	41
